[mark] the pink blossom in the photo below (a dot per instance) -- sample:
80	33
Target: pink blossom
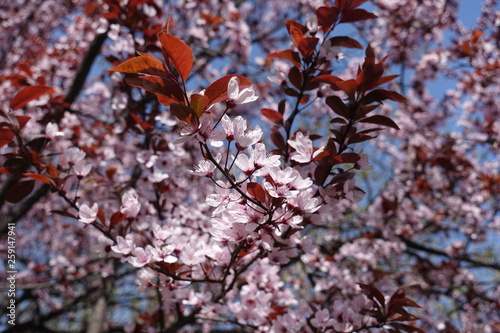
52	131
303	148
237	130
140	256
73	155
123	245
130	204
163	253
322	319
88	214
205	168
82	169
144	279
235	96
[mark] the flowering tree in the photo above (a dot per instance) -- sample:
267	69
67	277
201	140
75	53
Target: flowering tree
250	166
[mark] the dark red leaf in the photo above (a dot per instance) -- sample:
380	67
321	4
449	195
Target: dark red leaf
28	94
217	91
307	45
38	177
326	17
379	120
359	137
386	79
338	120
257	192
345	41
101	217
22	120
291	92
6	136
321	172
295	77
278	140
117	218
347	158
185	114
367	79
373	293
273	116
289	55
379	95
338	106
168	89
356	15
349	87
329	79
19	191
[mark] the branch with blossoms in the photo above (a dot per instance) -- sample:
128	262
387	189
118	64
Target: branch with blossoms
259	205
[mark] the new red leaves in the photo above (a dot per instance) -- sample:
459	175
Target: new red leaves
176	52
168	82
161	80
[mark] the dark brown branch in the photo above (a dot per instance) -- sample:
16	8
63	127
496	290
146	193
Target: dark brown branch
465	258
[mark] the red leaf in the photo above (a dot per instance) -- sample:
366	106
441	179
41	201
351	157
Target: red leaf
289	55
295	77
101	217
296	31
257	192
178	52
278	140
356	15
143	64
379	95
6	136
117	218
185	114
329	79
38	177
217	91
22	120
345	41
170	90
273	116
386	79
53	171
307	46
349	87
347	158
144	124
19	191
198	103
326	17
367	79
27	94
359	137
373	293
338	106
379	120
